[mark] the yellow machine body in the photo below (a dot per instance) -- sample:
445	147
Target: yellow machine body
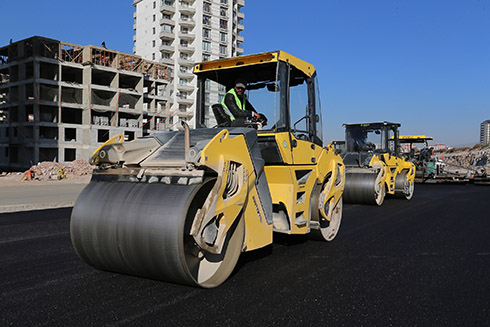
374	164
392	166
182	205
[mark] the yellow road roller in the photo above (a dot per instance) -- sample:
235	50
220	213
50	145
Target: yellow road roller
374	165
181	205
421	157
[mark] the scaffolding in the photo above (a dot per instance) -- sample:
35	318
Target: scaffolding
87	55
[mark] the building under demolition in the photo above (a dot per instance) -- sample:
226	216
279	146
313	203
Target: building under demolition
60	101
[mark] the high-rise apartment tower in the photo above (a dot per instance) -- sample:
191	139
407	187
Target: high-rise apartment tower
181	33
485	133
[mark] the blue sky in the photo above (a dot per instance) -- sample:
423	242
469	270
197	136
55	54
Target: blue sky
423	63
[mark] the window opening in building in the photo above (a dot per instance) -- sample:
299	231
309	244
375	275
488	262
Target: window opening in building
102	135
70	134
128	136
206	7
223	49
223	37
206	46
206	33
206	20
167	28
70	154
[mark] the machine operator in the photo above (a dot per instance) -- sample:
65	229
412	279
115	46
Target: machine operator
237	107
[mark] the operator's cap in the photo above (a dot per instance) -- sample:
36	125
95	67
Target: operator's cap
240	83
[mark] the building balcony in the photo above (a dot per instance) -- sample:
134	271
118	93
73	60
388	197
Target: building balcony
239	38
240	27
239	51
186	48
184	114
188	10
167	61
240	15
167	9
188	101
187	36
167	21
240	3
186	87
167	48
188	74
189	61
167	35
188	22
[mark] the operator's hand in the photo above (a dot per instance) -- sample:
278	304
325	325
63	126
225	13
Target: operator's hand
256	115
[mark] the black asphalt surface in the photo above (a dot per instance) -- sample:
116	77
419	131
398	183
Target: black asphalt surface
424	262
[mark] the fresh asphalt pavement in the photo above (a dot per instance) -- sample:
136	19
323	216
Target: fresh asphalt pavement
424	262
38	195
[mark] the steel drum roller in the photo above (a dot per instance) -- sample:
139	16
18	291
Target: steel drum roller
363	188
142	229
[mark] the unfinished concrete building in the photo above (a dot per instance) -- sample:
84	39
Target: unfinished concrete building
60	101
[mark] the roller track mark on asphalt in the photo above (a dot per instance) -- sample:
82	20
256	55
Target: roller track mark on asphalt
46	284
21	239
155	309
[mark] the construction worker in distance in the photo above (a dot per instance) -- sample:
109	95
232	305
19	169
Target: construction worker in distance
237	107
61	173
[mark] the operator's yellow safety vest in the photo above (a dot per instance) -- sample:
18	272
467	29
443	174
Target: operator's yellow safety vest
240	105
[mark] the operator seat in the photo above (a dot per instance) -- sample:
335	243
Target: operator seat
221	117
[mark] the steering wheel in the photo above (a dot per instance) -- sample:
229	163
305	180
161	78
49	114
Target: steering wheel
261	119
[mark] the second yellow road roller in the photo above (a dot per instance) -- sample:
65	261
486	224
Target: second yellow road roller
374	165
181	205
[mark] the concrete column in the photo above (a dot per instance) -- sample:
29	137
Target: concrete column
85	135
37	118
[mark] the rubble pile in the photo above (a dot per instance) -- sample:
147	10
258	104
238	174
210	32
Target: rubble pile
48	170
472	158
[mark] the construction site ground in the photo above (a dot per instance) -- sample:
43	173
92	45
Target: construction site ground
421	263
19	191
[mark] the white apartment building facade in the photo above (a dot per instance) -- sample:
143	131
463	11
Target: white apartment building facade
180	33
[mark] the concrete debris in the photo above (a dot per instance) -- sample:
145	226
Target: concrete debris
48	170
473	159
